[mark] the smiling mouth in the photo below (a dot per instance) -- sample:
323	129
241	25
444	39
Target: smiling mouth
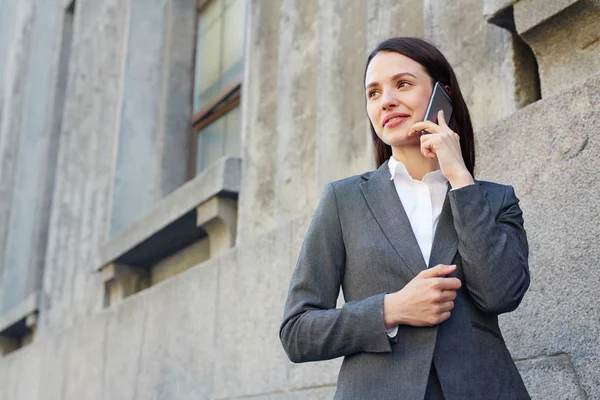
395	121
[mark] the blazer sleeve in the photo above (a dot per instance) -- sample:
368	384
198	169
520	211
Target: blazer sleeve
493	247
312	328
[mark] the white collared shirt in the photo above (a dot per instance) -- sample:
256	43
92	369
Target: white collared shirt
422	202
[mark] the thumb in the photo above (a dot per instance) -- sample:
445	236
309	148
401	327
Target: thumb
438	270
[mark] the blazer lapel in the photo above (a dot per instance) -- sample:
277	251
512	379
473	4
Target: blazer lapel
382	198
445	240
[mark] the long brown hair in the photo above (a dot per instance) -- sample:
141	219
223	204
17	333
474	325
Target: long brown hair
439	70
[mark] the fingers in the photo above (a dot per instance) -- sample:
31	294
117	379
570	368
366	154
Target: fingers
442	120
423	126
447	306
448	295
437	271
447	284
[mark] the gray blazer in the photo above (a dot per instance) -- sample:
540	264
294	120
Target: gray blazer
360	239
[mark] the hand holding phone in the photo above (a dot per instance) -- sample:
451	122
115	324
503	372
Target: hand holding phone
440	100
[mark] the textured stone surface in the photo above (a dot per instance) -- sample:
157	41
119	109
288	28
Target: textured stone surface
125	332
389	18
495	69
16	33
256	212
177	344
29	214
54	351
321	393
566	44
551	378
492	7
554	169
530	13
343	143
152	151
85	360
252	290
211	332
79	219
295	190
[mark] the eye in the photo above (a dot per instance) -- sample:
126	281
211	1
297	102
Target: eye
402	84
372	93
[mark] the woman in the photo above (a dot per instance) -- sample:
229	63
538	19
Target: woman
426	256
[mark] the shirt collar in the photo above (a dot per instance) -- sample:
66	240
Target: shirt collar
398	169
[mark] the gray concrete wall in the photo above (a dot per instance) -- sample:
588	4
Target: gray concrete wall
31	41
211	332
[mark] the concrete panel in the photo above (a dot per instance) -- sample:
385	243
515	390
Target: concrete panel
134	190
176	100
27	379
252	293
4	371
495	69
54	353
342	137
256	212
85	161
566	44
86	361
29	215
320	393
178	351
16	43
10	380
493	7
391	18
548	152
295	190
551	378
531	13
124	341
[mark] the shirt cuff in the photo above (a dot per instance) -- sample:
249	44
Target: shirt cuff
392	332
452	190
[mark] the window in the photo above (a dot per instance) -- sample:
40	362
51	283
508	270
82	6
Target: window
217	84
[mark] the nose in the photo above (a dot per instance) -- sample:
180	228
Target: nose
388	100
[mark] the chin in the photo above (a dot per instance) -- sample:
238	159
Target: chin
400	138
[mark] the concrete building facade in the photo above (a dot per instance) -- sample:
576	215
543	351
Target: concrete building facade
160	161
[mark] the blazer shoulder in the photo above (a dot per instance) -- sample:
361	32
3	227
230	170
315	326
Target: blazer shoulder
352	183
498	195
495	189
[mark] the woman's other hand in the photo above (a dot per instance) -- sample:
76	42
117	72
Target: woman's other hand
426	300
444	144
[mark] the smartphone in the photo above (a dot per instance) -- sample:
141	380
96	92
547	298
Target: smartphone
440	100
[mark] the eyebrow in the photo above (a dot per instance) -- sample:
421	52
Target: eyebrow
397	76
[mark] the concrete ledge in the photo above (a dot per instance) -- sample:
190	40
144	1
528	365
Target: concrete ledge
12	321
531	13
171	224
492	8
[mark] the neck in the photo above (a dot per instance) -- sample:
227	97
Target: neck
416	164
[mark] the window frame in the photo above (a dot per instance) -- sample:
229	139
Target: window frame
216	107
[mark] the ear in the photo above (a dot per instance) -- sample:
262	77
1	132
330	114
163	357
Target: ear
448	89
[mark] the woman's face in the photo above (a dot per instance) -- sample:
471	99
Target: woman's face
398	91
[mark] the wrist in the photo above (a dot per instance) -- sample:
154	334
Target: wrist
461	180
392	315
